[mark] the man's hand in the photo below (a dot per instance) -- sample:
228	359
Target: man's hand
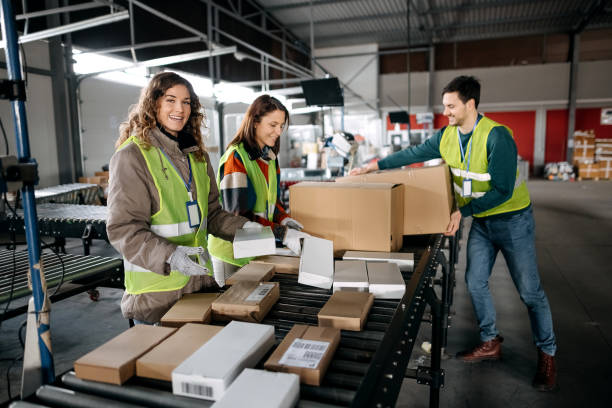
365	169
453	225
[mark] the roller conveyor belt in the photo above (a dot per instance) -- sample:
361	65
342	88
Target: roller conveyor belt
75	193
366	370
62	221
14	267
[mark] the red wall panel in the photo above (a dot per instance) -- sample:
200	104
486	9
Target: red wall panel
523	127
556	135
590	118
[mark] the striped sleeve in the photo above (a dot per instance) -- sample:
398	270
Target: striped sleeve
233	185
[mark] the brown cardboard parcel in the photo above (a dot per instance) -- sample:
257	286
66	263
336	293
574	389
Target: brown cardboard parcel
252	272
311	376
246	301
191	308
115	361
366	217
346	310
166	356
428	198
282	264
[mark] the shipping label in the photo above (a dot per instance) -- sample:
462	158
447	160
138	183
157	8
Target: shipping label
260	292
304	353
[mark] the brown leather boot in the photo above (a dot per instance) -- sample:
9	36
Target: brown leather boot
545	378
487	350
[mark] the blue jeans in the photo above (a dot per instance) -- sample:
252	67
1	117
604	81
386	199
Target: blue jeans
514	237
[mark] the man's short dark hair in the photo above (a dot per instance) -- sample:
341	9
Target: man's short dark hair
467	87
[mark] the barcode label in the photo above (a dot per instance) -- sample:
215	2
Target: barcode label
260	292
197	389
304	353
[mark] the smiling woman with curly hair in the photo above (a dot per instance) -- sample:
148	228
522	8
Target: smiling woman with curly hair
161	201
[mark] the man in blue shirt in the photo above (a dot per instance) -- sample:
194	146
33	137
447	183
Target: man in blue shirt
482	156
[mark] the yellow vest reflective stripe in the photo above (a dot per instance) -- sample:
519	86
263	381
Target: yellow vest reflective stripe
478	172
266	196
171	221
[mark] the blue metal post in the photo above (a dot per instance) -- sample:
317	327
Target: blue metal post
9	34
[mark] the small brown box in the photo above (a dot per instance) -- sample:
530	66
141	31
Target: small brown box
282	264
114	362
191	308
166	356
311	376
246	301
252	272
346	310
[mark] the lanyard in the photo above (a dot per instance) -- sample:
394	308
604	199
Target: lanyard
188	184
469	143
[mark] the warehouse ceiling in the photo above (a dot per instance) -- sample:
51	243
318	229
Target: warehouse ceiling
272	30
344	22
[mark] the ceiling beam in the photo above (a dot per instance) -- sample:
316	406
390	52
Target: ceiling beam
349	19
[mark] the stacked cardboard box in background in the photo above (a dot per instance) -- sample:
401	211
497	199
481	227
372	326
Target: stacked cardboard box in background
603	157
592	156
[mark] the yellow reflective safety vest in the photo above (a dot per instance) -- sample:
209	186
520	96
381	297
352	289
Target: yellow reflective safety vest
171	221
478	171
265	202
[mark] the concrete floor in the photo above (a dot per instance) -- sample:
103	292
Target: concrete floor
573	231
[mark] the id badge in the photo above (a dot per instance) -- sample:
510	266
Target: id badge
193	214
467	188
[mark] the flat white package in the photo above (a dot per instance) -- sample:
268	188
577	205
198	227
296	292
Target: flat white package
261	389
317	263
405	260
251	242
351	275
209	371
386	281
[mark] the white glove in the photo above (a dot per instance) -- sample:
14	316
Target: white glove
180	261
252	225
292	240
291	223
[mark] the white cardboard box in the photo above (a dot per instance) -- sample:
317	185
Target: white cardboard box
209	371
317	263
351	275
386	281
251	242
261	389
405	260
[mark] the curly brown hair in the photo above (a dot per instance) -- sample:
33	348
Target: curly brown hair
260	107
142	117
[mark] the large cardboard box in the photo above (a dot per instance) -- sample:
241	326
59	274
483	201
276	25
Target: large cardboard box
115	361
346	310
588	171
261	389
166	356
605	169
246	301
282	264
291	355
252	272
428	197
191	308
209	371
365	217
